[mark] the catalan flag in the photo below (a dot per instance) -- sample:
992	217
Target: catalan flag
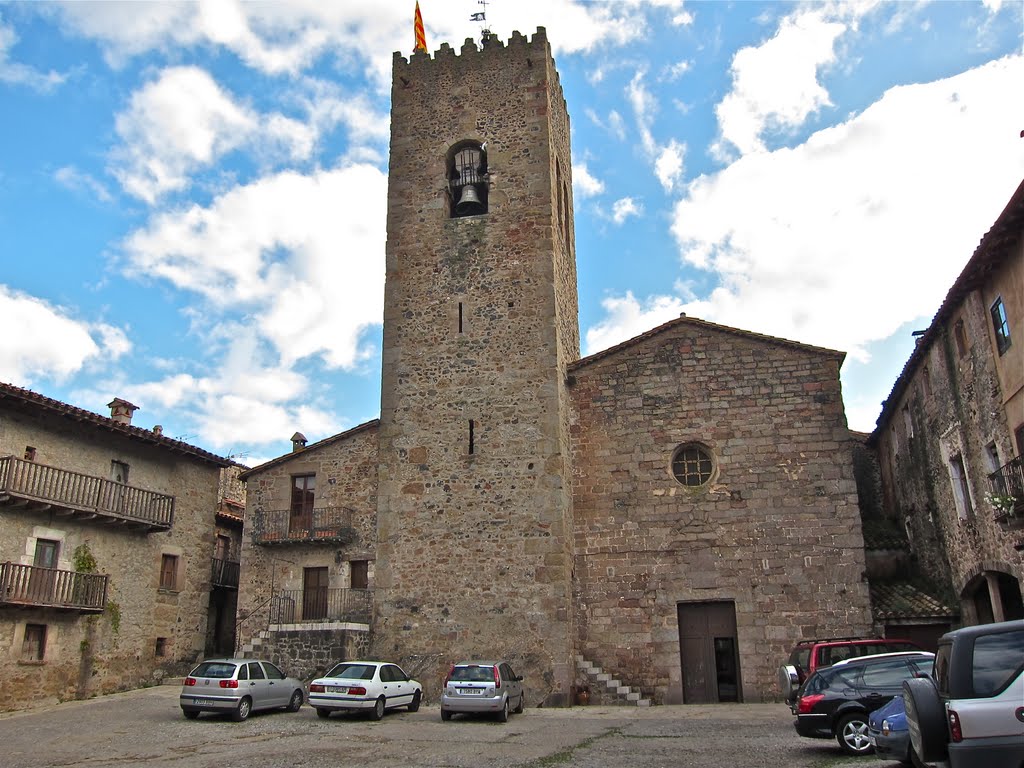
421	38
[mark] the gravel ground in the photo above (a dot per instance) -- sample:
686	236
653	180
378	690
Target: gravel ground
146	728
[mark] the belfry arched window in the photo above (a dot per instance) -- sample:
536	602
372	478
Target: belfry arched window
467	179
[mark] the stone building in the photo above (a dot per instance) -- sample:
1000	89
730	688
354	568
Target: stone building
951	434
675	511
107	533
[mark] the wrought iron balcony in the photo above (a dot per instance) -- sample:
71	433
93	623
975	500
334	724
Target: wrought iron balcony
321	605
1007	484
38	487
224	573
30	585
331	525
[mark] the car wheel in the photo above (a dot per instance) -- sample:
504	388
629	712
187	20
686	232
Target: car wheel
190	714
414	705
926	719
242	711
322	713
503	714
519	707
852	734
446	715
296	703
378	709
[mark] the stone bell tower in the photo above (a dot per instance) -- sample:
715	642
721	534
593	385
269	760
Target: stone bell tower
480	319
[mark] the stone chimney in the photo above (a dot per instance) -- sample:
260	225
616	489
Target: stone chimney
121	411
158	429
298	442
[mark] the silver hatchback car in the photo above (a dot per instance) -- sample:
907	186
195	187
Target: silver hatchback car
238	687
482	686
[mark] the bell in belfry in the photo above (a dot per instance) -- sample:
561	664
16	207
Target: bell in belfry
469	202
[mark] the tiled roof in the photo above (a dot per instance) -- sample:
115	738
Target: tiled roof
693	321
311	447
987	257
902	600
26	398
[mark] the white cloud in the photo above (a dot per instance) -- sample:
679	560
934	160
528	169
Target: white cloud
835	232
669	165
77	181
626	318
644	109
625	207
775	85
43	341
584	182
16	73
304	255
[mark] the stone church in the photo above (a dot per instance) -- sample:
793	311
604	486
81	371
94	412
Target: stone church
673	512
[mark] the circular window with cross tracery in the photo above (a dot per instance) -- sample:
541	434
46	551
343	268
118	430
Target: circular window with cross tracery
692	465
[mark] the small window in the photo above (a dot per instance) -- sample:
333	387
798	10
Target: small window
30	453
467	180
1001	325
926	381
692	465
960	335
303	498
33	646
169	572
119	472
360	574
908	423
161	646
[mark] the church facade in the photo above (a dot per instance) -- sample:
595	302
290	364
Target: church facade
676	511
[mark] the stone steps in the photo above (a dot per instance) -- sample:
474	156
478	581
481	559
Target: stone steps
598	676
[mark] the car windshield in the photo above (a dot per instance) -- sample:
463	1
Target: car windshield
474	674
352	671
215	669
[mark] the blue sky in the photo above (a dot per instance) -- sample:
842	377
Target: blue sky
192	196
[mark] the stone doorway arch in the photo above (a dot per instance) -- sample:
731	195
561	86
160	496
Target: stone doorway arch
992	594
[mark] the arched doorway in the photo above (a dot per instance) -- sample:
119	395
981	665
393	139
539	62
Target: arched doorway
992	596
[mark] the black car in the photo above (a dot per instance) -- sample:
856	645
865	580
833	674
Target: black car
835	702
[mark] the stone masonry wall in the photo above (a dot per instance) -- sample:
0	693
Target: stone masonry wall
346	476
116	650
474	551
777	530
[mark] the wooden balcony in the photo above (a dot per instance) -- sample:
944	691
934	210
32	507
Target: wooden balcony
38	487
326	525
224	573
32	586
321	606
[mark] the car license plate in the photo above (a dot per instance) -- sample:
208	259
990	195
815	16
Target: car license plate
337	689
202	702
470	691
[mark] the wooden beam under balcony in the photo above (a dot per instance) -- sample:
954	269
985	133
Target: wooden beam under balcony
39	487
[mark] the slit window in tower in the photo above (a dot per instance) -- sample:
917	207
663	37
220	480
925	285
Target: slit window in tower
471	446
467	180
460	317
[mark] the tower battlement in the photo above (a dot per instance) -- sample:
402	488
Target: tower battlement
422	70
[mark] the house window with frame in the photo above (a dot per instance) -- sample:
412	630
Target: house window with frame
961	490
300	516
33	646
169	572
360	574
692	465
1001	324
960	336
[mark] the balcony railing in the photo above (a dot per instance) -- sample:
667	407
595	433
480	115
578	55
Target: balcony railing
1007	482
224	573
284	526
321	605
41	487
30	585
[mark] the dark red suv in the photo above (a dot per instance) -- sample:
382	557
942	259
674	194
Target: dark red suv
811	655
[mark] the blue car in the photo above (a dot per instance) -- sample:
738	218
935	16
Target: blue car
888	731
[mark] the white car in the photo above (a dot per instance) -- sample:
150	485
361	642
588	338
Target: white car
371	685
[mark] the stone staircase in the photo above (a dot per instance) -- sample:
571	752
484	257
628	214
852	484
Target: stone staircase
603	681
